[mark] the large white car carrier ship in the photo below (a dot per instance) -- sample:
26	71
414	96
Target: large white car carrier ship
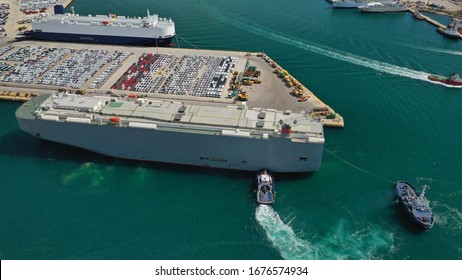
230	137
103	29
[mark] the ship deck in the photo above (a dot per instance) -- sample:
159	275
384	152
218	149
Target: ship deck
237	120
134	22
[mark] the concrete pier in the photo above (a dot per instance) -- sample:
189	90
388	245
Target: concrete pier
428	19
272	92
432	21
316	106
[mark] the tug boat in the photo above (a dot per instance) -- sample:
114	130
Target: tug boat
417	207
451	30
266	193
453	80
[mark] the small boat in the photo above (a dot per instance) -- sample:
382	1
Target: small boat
451	30
451	33
114	120
417	15
453	80
417	207
266	193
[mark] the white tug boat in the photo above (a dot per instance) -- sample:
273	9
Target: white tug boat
379	7
266	193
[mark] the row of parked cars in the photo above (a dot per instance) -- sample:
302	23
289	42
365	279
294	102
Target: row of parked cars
4	14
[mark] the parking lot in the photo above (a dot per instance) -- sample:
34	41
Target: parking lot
33	61
77	69
193	75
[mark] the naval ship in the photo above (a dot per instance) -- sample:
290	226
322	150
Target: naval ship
228	137
348	4
103	29
382	7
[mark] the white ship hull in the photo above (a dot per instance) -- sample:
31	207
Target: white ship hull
104	29
276	154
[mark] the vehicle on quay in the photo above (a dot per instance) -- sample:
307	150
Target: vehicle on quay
103	29
266	192
453	80
382	7
175	132
303	98
416	206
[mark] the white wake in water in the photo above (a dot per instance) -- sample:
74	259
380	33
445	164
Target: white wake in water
283	237
437	50
323	50
340	242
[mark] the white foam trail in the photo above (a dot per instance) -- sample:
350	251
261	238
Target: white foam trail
342	241
350	58
450	218
429	180
453	52
326	51
282	236
87	171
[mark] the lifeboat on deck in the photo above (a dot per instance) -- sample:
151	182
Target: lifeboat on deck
114	120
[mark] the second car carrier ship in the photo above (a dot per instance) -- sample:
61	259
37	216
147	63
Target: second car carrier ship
102	29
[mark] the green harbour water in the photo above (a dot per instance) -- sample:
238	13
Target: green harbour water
60	202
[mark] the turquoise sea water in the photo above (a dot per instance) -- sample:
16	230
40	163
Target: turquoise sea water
59	202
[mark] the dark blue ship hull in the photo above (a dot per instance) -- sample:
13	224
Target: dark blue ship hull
101	39
402	189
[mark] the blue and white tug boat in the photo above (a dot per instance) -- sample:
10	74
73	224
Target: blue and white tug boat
266	193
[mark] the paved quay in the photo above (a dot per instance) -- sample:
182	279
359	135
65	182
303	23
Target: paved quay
187	75
16	15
